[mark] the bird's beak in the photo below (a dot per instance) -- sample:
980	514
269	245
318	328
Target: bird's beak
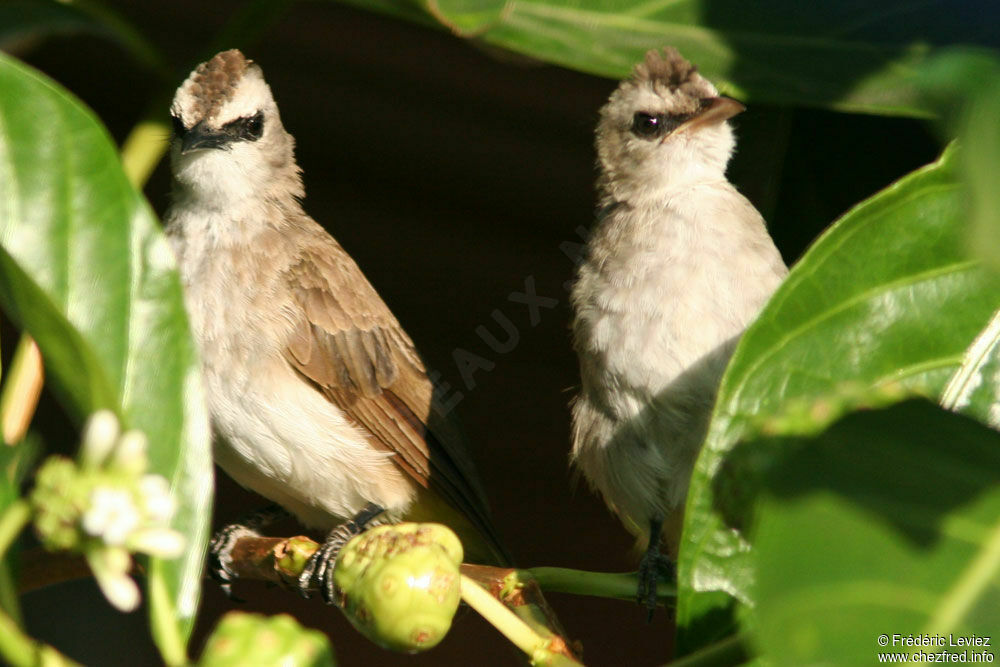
716	110
199	137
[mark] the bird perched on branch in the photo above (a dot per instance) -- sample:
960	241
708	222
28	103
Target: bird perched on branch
677	266
318	399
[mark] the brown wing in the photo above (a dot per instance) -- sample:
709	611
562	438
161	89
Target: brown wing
348	343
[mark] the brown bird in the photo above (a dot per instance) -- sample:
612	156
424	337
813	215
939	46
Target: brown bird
319	400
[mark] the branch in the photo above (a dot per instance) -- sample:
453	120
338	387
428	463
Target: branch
281	560
615	585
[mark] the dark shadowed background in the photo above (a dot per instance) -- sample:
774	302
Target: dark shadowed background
454	174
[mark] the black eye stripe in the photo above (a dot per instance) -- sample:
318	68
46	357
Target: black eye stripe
250	128
655	125
179	129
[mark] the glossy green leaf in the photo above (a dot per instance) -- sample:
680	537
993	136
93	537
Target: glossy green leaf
963	84
88	388
980	137
886	524
887	298
86	270
974	389
854	56
465	17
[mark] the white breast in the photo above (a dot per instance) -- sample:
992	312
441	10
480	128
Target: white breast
661	299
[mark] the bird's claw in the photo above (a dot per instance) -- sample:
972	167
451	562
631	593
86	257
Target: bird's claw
318	571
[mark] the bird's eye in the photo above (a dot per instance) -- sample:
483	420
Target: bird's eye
647	125
179	129
250	128
253	127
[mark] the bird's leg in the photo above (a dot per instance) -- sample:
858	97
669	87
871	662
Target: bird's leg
318	572
652	566
220	549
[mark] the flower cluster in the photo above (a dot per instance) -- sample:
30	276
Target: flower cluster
106	506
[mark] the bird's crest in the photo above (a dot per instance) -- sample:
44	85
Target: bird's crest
214	82
669	71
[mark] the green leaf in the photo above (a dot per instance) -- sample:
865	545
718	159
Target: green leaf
887	299
887	523
23	21
86	270
974	389
963	86
852	56
465	17
87	389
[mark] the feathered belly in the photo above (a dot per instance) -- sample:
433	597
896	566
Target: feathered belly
275	433
284	440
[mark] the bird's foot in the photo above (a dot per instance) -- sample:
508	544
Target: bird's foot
653	567
318	571
220	549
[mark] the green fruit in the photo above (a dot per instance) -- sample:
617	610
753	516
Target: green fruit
251	639
399	585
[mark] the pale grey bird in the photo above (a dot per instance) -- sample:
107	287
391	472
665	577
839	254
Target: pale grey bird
678	264
318	399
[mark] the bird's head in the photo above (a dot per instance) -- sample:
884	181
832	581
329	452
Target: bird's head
228	142
665	126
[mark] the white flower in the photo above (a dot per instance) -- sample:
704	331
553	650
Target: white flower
112	516
110	566
107	507
130	453
99	438
156	498
159	542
